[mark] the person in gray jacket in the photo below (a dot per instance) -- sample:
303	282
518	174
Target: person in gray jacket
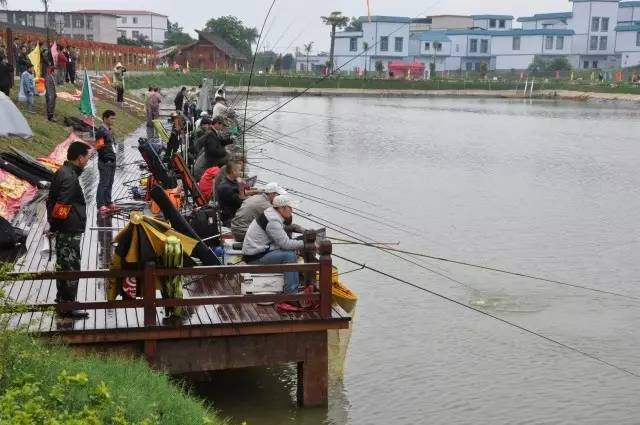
267	242
255	205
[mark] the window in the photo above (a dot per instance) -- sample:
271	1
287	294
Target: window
638	39
135	35
560	42
31	20
595	24
135	20
123	34
384	44
473	48
353	44
605	25
484	46
593	44
90	22
67	21
90	37
52	21
458	47
503	23
516	43
492	23
548	42
399	44
585	65
603	43
427	46
78	21
124	19
437	46
477	66
469	66
595	65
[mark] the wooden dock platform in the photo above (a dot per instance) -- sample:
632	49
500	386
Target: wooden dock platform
225	330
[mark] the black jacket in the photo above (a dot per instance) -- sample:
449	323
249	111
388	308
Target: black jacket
65	190
23	63
228	197
179	101
6	74
106	153
214	151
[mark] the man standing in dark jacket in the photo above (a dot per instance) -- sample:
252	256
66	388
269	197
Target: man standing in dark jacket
6	75
212	148
179	100
106	163
51	94
67	216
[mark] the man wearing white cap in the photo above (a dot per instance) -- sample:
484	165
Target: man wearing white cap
255	205
267	242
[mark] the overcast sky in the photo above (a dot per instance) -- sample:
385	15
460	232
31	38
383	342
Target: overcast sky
295	22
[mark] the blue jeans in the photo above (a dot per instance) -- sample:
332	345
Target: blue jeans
279	256
107	171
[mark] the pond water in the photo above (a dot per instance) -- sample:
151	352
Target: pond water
544	188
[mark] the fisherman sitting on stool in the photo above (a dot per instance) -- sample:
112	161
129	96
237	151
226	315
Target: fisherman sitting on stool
266	241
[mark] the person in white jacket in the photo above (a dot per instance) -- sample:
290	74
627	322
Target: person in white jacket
266	241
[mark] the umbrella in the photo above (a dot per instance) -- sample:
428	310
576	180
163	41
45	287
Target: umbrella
142	240
13	122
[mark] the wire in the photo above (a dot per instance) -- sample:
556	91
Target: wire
253	63
484	313
498	270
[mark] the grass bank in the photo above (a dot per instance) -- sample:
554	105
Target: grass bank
47	135
42	383
503	82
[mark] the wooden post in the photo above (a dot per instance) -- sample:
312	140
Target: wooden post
325	279
310	255
150	346
313	373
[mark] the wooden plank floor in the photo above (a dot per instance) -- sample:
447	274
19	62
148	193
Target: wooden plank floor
97	250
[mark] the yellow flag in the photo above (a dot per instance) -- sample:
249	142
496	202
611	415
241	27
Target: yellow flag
34	57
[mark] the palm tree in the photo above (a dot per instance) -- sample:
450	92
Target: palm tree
307	49
335	20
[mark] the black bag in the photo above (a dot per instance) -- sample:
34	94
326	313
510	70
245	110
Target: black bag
11	237
205	223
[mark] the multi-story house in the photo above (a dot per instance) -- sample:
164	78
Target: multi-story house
93	26
602	34
137	24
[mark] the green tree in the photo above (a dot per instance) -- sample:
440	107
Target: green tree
277	65
176	35
541	65
354	25
334	20
307	50
365	47
234	32
288	62
264	60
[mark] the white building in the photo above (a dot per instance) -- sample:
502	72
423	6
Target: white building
602	34
311	63
93	26
136	24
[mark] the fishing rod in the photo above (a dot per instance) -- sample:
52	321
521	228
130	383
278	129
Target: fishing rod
315	185
267	157
349	233
489	268
332	72
487	314
253	63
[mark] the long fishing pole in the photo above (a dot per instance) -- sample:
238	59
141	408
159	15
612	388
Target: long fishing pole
253	63
492	269
347	232
487	314
332	72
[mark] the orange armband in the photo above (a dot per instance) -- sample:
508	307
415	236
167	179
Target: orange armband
61	211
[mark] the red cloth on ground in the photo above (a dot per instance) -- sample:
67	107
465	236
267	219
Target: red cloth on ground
207	181
14	193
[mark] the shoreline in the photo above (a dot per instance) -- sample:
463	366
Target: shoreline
488	94
568	95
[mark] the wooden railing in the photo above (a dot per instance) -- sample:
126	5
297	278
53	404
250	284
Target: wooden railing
150	272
